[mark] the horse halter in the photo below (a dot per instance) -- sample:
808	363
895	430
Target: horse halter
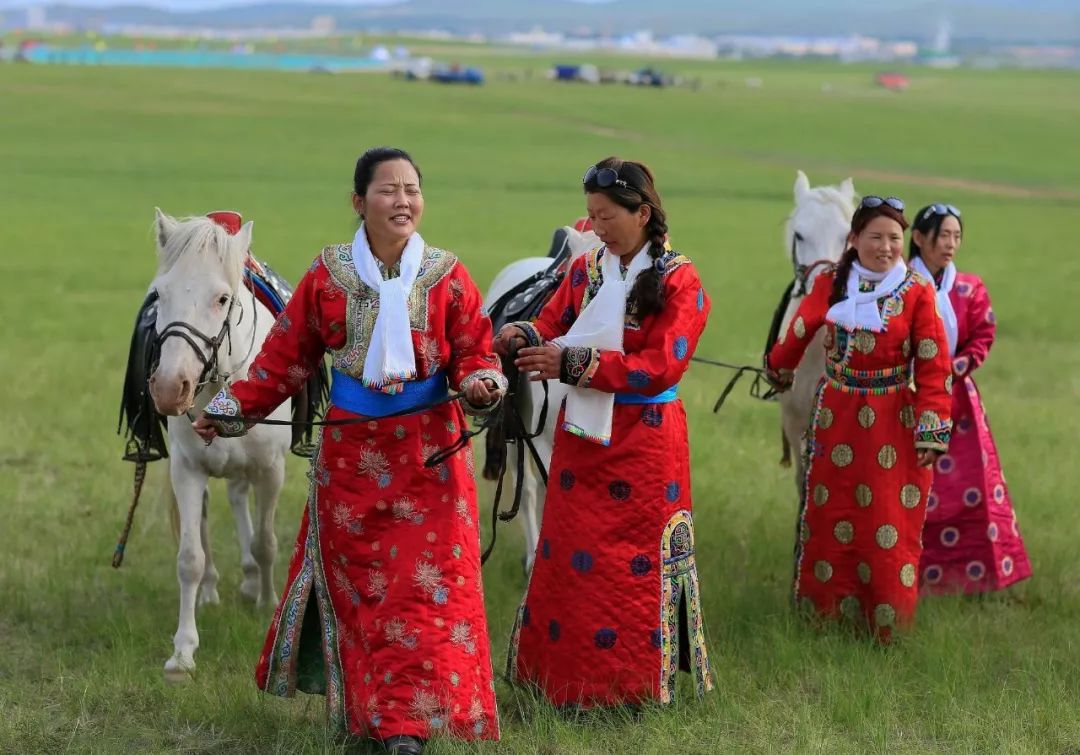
208	358
803	273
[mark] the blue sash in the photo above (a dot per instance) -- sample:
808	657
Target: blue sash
350	394
640	398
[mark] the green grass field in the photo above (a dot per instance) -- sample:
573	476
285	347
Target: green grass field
86	154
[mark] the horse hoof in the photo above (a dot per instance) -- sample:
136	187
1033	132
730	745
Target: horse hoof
267	603
785	463
250	592
209	597
177	673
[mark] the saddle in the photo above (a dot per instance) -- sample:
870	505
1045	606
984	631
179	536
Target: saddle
525	300
144	427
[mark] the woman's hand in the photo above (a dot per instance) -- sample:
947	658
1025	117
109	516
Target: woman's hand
544	362
926	456
205	428
509	339
482	392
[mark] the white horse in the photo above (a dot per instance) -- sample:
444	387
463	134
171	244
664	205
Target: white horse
211	327
815	237
533	489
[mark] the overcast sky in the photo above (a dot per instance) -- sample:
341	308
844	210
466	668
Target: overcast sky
177	4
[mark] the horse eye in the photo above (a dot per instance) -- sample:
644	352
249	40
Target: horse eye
798	236
223	299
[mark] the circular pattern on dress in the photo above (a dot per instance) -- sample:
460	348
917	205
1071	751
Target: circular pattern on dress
850	608
1007	566
526	618
672	492
910	495
864	496
950	536
864	341
999	493
931	501
823	571
932	574
886	536
680	347
894	306
640	565
964	425
842	455
948	383
907	575
566	479
804	531
825	418
992	532
945	464
545	549
907	416
799	327
554	630
975	570
821	494
700	299
844	531
887	457
927	348
578	277
619	490
863	570
582	561
655	638
652	416
972	497
605	638
884	615
905	349
867	417
638	379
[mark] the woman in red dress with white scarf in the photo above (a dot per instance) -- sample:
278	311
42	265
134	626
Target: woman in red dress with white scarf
612	610
383	611
971	539
873	438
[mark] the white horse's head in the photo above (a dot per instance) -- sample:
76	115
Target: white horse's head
580	241
199	270
816	230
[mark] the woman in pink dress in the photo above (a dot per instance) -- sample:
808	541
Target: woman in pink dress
971	540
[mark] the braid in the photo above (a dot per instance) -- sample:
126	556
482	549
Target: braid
843	269
647	294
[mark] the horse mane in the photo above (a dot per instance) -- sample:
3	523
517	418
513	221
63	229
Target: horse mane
202	235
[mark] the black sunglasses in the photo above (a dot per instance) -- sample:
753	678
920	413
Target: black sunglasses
603	178
873	201
941	209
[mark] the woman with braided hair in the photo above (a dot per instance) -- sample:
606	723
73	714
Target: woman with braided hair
880	420
612	610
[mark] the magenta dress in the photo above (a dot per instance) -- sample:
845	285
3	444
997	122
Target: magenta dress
971	542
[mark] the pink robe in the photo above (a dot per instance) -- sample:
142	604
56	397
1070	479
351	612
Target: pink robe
971	540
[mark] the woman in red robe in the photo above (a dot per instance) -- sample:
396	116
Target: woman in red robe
881	419
383	611
971	539
612	610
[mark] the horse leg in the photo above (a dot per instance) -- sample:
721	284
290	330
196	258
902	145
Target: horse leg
785	453
189	484
264	543
208	593
238	499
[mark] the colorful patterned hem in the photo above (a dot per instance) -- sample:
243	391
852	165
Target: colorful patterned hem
500	382
579	365
680	589
225	404
603	440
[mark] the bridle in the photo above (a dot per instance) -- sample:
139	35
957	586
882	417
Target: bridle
207	348
804	273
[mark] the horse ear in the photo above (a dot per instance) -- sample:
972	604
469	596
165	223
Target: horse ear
243	236
802	186
164	225
847	187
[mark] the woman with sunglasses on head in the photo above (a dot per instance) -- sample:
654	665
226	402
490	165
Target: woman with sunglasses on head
612	610
383	610
872	438
971	539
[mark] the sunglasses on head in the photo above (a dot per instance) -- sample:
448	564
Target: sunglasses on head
873	201
941	209
603	178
